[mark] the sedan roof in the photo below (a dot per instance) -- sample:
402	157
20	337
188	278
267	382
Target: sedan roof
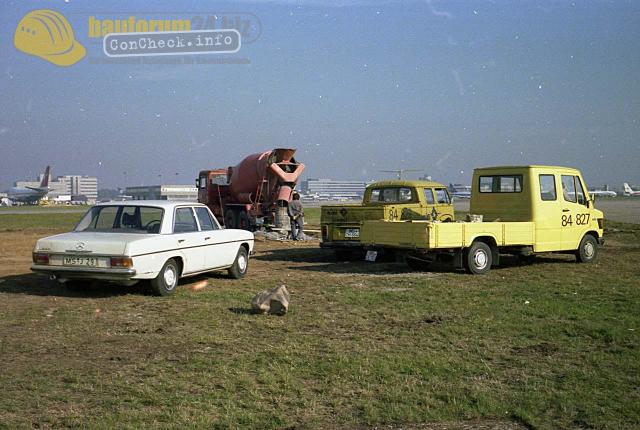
165	204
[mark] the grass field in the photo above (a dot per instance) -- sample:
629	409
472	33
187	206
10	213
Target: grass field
549	345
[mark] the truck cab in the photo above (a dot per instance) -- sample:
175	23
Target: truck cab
384	200
555	198
519	210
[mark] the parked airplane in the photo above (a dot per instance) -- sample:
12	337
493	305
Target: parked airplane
602	193
30	195
629	192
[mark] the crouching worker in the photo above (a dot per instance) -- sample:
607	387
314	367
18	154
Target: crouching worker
296	215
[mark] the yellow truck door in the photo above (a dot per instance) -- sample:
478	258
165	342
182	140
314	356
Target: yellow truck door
443	204
548	213
576	215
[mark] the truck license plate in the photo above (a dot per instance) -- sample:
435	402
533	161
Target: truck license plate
352	233
80	261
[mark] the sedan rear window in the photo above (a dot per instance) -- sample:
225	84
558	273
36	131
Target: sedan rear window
122	219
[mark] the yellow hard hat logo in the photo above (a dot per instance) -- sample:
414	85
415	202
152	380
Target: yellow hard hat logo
48	35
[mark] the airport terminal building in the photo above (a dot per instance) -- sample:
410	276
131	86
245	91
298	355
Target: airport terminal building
163	192
333	189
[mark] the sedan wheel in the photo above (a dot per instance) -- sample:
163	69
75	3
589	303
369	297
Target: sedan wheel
240	265
167	280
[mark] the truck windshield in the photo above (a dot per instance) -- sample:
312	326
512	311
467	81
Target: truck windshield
122	219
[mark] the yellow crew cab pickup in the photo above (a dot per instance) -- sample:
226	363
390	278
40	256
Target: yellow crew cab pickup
384	200
520	210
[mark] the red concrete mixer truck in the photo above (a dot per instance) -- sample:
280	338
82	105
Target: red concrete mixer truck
253	193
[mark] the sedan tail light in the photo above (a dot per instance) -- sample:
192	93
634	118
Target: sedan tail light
121	262
40	258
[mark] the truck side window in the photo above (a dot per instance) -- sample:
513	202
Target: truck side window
203	182
580	191
443	196
568	189
501	184
404	195
428	196
375	195
547	187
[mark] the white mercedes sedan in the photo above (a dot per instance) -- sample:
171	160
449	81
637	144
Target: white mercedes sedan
155	240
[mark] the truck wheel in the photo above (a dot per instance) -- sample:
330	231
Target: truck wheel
587	251
230	219
240	265
477	258
167	280
243	221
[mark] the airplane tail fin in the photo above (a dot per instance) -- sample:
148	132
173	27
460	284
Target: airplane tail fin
45	179
627	188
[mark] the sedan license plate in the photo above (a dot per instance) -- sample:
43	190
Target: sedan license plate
80	261
352	233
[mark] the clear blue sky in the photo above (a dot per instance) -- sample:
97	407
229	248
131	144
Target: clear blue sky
356	86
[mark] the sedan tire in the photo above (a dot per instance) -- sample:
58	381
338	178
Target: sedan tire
167	280
240	265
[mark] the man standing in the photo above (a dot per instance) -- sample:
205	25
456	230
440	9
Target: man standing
296	215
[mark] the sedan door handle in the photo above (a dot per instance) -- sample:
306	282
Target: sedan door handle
565	210
207	238
180	240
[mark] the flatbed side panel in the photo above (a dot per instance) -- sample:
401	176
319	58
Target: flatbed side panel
461	235
402	234
454	235
447	235
519	233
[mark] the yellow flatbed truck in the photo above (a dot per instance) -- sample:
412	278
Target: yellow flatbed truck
384	200
524	210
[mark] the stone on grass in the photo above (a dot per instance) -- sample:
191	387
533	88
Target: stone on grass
275	301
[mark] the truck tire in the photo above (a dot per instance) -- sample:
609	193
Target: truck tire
230	220
243	221
587	251
477	258
167	280
240	265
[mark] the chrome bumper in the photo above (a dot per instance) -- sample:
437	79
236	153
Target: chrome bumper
85	272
